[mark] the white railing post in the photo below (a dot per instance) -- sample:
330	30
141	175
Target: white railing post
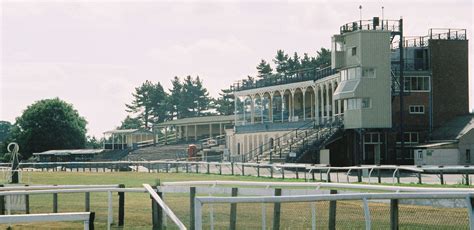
197	214
469	205
366	214
313	216
110	213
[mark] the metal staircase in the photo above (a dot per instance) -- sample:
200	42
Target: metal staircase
296	144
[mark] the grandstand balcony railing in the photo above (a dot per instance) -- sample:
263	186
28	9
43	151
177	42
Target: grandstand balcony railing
388	25
308	74
433	34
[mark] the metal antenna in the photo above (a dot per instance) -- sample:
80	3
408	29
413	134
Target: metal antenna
382	13
360	12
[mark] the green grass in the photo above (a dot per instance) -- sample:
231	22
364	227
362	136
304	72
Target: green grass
294	215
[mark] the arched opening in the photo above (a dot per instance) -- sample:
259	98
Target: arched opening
287	103
257	109
277	107
309	103
266	108
247	110
298	105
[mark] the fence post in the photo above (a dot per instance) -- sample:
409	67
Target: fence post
192	195
91	220
467	178
283	172
232	167
258	170
332	212
233	212
398	176
156	213
271	171
297	176
197	167
394	214
187	167
121	208
277	211
2	203
419	178
378	175
243	169
208	170
220	168
55	202
359	175
87	201
441	177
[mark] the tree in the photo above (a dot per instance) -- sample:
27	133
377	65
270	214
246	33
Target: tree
131	123
264	69
281	62
195	97
49	124
225	103
294	63
149	103
94	143
323	58
175	99
5	129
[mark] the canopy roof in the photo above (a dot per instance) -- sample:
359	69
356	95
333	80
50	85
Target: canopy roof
199	120
64	152
128	131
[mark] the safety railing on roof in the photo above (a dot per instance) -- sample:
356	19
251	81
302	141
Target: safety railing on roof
308	74
389	25
433	34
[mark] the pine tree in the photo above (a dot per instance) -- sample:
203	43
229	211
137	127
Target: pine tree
264	69
281	62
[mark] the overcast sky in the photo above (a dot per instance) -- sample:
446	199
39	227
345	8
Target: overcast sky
93	53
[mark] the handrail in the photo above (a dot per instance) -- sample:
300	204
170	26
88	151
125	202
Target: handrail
324	197
316	185
165	207
249	153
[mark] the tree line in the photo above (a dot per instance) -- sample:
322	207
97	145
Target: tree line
189	98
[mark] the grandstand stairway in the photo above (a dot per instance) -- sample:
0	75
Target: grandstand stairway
300	142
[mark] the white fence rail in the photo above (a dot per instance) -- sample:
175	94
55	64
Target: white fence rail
87	217
364	197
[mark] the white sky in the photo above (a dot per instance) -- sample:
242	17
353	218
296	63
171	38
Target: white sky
94	53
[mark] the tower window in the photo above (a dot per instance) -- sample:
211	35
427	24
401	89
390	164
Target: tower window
354	51
417	109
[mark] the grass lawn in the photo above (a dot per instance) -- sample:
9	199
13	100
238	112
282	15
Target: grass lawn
350	214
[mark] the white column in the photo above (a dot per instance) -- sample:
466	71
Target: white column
316	104
304	105
186	132
195	133
333	101
282	96
270	107
261	108
243	111
292	104
210	130
327	101
220	129
252	109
